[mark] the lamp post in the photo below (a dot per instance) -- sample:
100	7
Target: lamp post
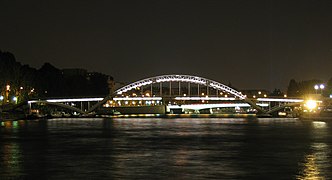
321	87
316	88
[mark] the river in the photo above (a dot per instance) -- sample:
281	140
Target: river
166	148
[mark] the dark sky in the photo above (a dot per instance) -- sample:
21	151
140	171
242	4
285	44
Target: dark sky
252	44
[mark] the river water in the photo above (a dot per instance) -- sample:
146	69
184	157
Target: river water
157	148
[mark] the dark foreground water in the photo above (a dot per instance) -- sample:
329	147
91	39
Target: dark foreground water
166	149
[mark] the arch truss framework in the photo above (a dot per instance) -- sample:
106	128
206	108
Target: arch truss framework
181	78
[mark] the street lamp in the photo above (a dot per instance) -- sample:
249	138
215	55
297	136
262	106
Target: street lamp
316	88
321	87
15	99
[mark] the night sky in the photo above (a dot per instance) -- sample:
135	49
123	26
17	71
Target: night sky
252	44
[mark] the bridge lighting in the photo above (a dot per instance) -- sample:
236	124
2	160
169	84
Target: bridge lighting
279	100
254	96
203	94
184	95
226	95
285	95
265	95
259	92
147	94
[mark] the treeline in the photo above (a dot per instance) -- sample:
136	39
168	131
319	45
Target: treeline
48	81
301	88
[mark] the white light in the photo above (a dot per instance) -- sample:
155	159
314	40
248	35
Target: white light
279	100
70	100
321	86
137	98
203	98
1	98
14	98
316	87
75	100
205	106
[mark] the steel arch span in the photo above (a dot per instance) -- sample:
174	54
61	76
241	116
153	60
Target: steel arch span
181	78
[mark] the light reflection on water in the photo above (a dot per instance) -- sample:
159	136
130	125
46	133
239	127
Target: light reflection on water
155	148
317	163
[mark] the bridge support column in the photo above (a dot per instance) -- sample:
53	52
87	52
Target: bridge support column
189	89
179	88
198	89
170	89
207	90
151	90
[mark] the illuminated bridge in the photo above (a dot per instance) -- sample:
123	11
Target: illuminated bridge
174	94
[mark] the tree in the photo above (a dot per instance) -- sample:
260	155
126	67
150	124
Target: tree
293	89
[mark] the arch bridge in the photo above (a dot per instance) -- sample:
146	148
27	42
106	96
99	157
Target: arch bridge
175	91
180	89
